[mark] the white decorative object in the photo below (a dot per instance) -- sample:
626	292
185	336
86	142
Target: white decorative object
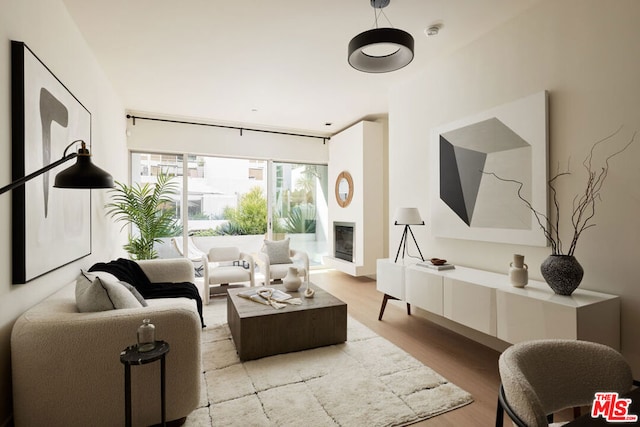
292	281
518	271
308	292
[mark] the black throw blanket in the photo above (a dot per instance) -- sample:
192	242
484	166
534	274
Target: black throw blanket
130	272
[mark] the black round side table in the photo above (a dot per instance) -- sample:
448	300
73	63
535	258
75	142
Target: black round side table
131	356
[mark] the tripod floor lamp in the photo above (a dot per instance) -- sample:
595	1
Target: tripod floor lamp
407	217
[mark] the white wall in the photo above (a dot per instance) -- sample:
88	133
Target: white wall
359	150
586	54
46	27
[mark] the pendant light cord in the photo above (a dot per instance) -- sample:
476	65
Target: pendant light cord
377	14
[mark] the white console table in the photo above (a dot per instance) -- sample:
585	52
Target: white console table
487	302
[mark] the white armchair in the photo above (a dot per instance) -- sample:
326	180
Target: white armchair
222	266
276	257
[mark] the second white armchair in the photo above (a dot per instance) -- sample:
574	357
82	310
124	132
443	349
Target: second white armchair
276	257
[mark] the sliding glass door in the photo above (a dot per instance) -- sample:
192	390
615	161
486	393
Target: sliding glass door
227	197
240	202
299	207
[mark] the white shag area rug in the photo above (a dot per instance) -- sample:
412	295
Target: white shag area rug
366	381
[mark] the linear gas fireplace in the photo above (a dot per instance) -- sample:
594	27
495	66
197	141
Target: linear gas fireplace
344	240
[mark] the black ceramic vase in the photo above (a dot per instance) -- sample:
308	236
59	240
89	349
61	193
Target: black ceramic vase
563	273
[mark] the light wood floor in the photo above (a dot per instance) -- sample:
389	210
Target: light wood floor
469	365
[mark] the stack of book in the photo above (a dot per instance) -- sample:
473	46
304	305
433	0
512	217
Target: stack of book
429	264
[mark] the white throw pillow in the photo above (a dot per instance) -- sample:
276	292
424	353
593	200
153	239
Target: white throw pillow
101	274
134	292
108	277
101	295
278	251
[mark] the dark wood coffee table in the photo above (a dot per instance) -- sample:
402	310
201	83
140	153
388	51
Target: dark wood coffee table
260	330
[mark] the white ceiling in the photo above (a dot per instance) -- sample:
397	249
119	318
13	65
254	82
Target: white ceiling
272	64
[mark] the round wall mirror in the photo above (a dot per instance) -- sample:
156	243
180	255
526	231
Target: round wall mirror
344	189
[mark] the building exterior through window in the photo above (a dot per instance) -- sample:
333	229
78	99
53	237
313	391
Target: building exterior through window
241	197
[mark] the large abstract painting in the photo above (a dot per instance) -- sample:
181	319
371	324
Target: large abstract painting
477	163
51	226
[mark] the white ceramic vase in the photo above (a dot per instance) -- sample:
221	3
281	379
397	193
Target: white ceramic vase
292	281
518	272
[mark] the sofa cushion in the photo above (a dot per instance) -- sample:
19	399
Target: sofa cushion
135	293
278	251
100	294
111	278
131	272
126	270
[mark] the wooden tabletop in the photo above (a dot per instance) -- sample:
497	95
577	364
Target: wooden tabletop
260	330
247	308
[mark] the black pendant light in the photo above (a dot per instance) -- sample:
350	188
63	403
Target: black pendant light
398	46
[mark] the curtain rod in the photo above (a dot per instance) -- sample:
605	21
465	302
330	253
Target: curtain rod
323	138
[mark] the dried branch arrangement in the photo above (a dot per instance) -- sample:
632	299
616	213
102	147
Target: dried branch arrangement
584	204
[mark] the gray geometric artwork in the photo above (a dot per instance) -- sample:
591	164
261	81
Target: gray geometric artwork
476	198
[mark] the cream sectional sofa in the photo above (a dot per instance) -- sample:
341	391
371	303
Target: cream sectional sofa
66	364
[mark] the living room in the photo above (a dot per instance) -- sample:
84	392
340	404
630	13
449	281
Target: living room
582	52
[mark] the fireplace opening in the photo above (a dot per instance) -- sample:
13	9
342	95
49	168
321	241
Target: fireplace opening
343	240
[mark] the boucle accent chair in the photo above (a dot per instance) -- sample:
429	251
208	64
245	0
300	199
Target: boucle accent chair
219	268
541	377
66	364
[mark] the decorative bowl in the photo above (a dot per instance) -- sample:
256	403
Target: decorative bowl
438	261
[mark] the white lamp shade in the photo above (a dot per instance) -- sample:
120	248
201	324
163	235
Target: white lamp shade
408	216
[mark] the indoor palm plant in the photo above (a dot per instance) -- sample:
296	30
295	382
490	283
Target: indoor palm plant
144	207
